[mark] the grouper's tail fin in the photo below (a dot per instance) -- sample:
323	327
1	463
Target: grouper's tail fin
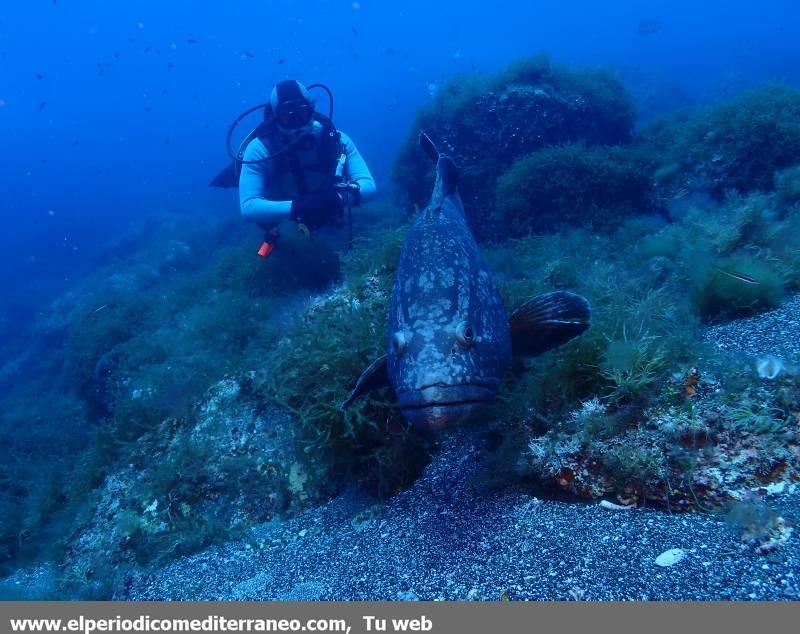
446	169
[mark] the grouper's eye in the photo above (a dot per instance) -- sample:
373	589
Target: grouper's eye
399	343
465	334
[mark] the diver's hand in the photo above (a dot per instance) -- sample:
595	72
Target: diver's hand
317	210
350	192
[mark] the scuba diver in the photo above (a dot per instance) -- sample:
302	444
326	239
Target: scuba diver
296	165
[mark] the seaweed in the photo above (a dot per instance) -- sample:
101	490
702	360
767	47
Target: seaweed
573	185
487	123
311	372
742	143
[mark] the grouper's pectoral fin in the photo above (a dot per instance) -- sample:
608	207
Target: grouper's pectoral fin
227	178
548	321
374	377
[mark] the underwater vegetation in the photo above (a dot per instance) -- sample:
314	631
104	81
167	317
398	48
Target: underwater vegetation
739	145
171	377
742	143
488	123
787	184
573	185
337	337
738	286
638	409
207	389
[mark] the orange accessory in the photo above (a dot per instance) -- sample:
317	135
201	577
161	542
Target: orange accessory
266	249
690	388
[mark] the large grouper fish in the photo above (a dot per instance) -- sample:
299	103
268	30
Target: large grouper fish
450	339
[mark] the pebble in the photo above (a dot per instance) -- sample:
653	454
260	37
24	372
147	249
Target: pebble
615	507
670	557
479	548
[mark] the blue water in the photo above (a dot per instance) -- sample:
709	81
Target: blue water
113	115
110	115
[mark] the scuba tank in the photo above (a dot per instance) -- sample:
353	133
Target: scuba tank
229	177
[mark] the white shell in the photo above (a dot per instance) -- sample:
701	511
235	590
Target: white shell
670	557
616	507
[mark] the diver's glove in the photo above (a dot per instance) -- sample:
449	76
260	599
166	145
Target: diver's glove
350	193
317	210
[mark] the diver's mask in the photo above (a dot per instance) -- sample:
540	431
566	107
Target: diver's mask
295	114
295	121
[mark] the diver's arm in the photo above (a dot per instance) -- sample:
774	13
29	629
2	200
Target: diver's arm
356	170
254	205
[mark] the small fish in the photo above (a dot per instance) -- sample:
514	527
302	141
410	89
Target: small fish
103	307
303	229
75	143
390	52
166	141
42	105
164	92
100	69
281	60
248	54
746	279
147	49
681	193
355	32
191	40
39	76
170	66
648	27
116	54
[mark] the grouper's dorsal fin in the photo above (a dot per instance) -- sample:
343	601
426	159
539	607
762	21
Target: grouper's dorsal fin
428	147
445	167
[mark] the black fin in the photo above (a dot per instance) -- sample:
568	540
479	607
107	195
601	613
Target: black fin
374	377
449	173
428	147
548	321
227	178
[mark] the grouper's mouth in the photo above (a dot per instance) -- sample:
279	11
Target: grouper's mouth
439	406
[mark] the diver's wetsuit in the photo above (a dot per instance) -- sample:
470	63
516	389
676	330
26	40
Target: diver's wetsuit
254	187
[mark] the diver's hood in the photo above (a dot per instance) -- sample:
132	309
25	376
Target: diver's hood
229	177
